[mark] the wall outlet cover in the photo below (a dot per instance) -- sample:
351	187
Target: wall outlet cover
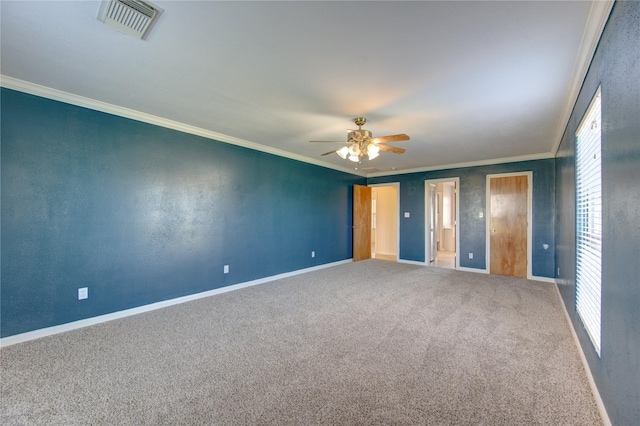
83	293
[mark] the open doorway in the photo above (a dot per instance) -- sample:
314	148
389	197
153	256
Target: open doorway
442	206
385	213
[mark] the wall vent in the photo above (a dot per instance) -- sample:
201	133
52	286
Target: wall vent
131	17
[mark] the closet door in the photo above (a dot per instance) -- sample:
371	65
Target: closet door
508	225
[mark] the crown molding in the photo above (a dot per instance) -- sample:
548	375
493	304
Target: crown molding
81	101
530	157
598	16
69	98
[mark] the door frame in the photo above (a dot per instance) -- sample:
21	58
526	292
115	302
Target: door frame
427	217
529	175
397	186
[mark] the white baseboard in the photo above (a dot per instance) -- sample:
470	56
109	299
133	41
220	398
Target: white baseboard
412	262
484	271
543	279
585	365
49	331
477	271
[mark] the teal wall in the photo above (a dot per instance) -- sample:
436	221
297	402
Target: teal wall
139	213
472	229
616	67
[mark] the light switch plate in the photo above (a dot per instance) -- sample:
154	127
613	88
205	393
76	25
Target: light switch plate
407	214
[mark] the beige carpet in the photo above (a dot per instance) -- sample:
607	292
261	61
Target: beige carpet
372	342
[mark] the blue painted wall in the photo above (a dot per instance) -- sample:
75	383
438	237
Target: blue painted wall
472	229
616	67
140	213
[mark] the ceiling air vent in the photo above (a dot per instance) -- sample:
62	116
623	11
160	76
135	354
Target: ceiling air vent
370	170
131	17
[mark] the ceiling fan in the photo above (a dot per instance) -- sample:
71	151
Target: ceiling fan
361	144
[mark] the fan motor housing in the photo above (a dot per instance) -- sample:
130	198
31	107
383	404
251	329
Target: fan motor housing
364	133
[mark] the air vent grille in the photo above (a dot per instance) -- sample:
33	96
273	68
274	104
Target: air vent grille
131	17
370	170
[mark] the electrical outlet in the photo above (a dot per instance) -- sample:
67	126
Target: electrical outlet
83	293
313	254
481	215
226	269
470	255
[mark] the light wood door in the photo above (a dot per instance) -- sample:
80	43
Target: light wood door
361	222
508	225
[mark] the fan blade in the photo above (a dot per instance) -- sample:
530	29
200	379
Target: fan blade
330	152
391	149
328	141
391	138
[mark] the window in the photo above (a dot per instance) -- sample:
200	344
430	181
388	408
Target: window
589	221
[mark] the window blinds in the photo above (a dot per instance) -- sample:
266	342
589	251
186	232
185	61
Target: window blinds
589	221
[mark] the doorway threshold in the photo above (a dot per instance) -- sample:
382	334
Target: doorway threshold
389	257
445	259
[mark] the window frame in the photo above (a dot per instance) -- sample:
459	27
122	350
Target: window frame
588	170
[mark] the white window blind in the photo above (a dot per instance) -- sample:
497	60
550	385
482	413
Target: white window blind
589	221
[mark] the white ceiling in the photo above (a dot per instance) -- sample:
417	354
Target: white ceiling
470	82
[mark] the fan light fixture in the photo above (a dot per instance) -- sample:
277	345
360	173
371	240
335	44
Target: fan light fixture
362	145
355	152
343	152
373	151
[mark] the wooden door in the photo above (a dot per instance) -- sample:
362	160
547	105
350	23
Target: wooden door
508	225
361	222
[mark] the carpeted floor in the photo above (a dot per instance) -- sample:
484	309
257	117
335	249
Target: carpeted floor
372	342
